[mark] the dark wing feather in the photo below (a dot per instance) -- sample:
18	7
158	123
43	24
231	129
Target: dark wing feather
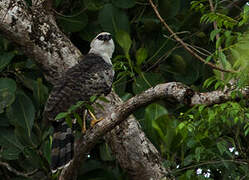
92	76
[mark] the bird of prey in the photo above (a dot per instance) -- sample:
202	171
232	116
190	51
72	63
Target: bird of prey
92	76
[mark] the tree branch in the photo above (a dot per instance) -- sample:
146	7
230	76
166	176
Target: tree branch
35	31
184	44
176	91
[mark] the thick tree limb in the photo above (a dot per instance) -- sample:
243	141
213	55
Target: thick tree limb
135	154
35	31
178	92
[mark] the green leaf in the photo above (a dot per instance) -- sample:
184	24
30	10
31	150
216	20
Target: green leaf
40	92
188	160
10	153
73	24
46	149
209	81
69	121
214	33
124	40
9	84
78	118
5	59
179	64
24	138
169	8
93	98
201	107
185	70
61	115
22	112
112	19
7	92
223	60
11	147
222	147
198	152
33	157
190	173
75	106
141	55
103	99
209	58
153	112
124	4
219	42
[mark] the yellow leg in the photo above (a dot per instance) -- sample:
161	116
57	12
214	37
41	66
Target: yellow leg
83	130
94	119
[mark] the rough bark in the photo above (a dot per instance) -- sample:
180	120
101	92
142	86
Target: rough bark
177	92
35	31
131	147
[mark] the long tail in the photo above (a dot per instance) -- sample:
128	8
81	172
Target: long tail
62	146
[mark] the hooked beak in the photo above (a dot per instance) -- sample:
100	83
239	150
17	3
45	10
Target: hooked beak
107	37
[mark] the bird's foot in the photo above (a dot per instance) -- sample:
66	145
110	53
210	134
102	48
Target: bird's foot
83	129
94	119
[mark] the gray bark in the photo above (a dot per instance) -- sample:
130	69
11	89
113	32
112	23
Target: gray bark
35	31
177	92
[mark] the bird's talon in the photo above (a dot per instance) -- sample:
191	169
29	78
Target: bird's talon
95	121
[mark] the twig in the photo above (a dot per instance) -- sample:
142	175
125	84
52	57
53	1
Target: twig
191	46
18	173
183	43
196	49
70	16
165	56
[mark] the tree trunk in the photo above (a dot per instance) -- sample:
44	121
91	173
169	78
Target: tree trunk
35	31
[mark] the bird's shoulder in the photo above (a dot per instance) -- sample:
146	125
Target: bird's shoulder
92	59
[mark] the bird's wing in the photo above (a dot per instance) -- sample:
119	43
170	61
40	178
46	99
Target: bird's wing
92	76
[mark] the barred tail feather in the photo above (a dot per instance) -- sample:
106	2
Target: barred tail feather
62	146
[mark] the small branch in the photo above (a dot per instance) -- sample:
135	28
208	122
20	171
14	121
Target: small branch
18	173
183	43
176	91
217	36
70	16
214	23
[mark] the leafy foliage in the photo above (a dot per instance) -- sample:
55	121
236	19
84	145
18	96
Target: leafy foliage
195	143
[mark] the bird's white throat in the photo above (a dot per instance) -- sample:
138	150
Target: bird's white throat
102	48
106	56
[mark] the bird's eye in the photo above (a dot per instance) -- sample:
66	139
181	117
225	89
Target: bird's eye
100	37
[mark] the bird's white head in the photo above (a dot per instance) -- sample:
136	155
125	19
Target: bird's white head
103	46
